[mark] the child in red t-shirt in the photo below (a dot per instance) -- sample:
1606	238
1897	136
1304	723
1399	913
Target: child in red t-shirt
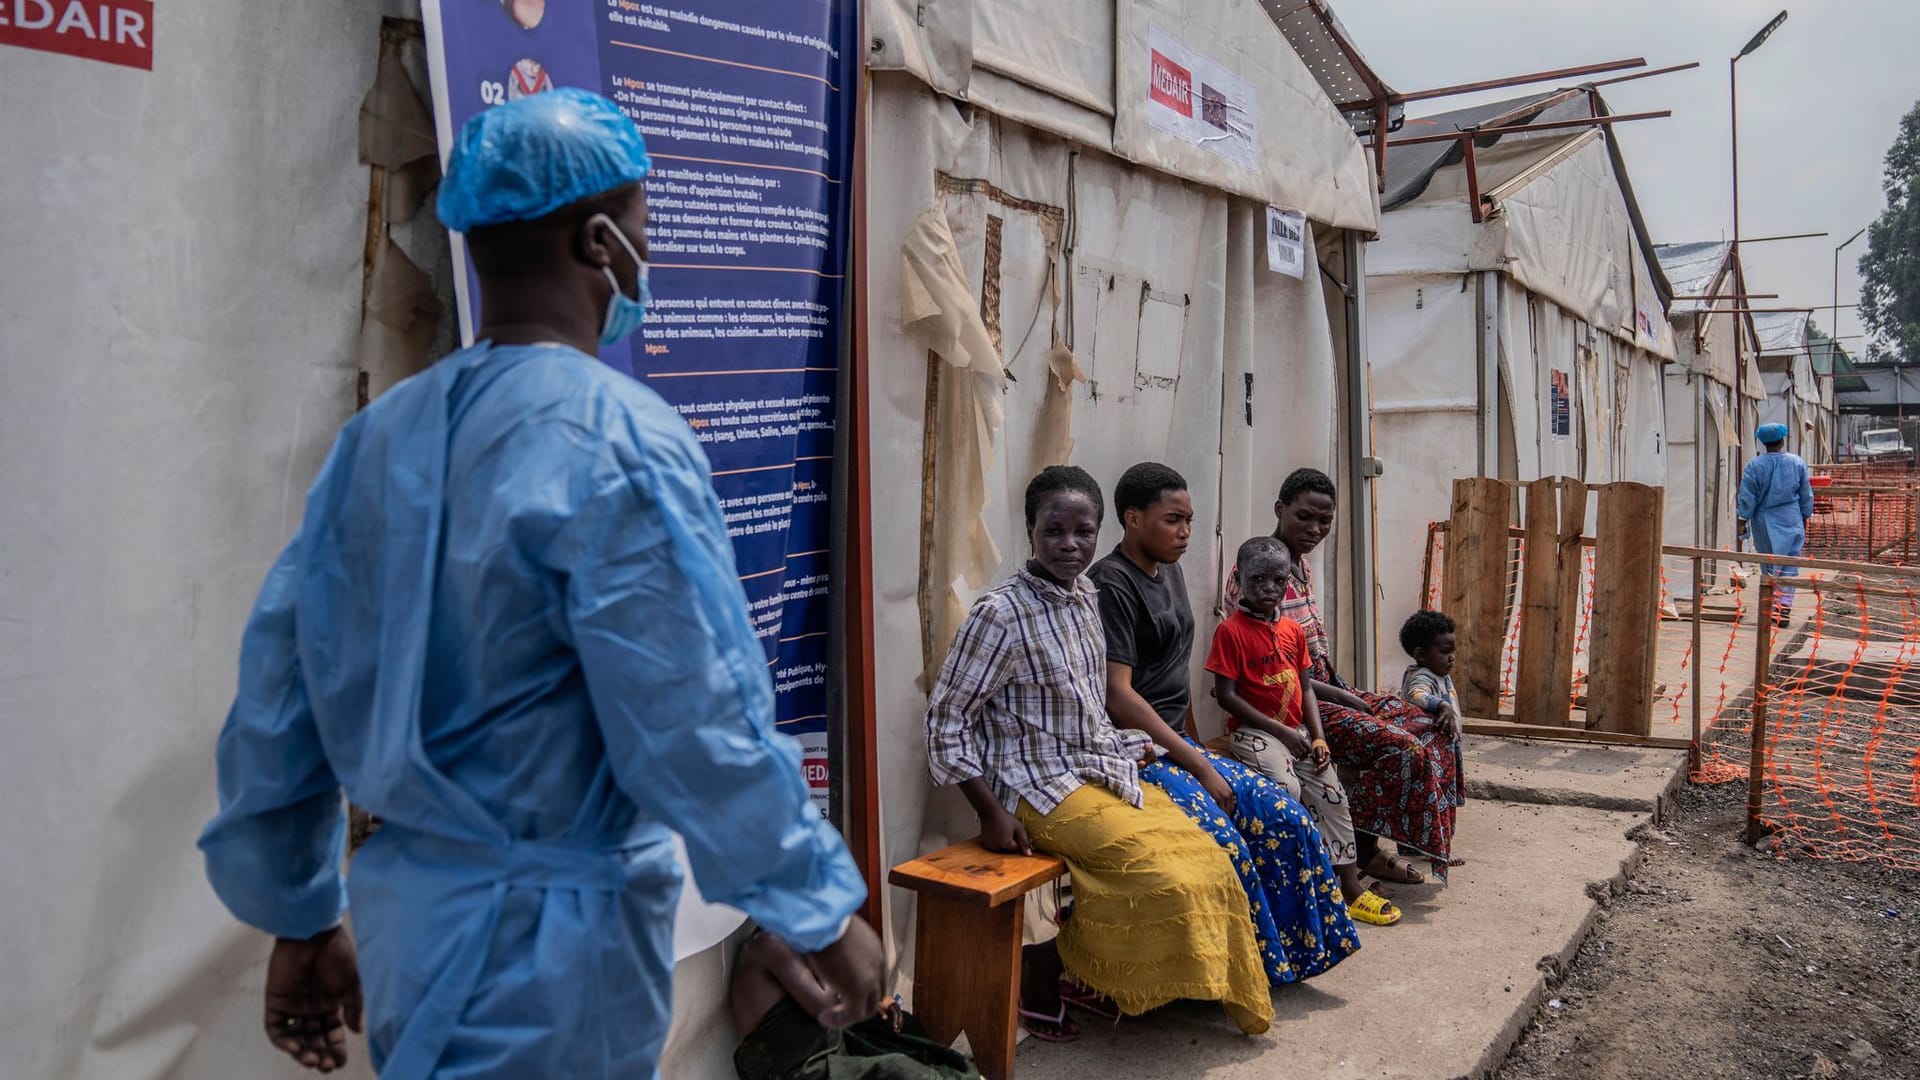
1262	677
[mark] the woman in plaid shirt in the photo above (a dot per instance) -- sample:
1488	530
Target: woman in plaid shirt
1017	720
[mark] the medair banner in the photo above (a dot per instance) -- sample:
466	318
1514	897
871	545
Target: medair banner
747	111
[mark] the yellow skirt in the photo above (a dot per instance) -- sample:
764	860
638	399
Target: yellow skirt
1158	912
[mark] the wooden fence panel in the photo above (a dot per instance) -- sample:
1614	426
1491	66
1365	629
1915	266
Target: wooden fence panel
1475	588
1550	601
1626	609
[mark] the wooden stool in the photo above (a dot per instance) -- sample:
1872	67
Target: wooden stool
966	953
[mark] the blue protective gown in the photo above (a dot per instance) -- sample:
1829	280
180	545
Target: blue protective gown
511	627
1776	501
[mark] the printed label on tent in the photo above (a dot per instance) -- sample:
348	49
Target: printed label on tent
1196	100
1560	403
747	112
1286	242
1172	85
110	31
813	765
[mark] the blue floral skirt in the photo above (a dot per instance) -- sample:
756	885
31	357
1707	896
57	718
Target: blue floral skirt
1292	891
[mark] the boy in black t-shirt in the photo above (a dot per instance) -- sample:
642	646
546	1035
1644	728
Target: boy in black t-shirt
1148	621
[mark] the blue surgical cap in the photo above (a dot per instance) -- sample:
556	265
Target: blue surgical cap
1771	433
527	158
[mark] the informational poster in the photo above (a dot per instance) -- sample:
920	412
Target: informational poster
747	111
1286	242
1192	98
109	31
1560	403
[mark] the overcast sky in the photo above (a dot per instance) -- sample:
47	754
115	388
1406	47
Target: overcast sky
1819	105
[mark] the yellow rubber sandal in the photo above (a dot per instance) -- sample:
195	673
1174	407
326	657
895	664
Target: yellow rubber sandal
1373	909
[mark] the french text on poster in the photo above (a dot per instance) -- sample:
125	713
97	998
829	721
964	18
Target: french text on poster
747	113
1286	242
1194	99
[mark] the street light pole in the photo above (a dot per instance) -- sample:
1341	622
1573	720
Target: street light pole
1733	110
1833	331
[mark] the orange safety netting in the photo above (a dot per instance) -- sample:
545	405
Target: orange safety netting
1841	767
1864	516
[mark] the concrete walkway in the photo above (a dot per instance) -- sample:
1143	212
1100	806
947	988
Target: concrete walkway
1445	993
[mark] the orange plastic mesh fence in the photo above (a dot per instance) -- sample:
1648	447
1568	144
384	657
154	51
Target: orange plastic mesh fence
1865	523
1892	466
1841	769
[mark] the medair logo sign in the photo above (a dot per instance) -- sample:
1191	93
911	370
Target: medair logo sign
110	31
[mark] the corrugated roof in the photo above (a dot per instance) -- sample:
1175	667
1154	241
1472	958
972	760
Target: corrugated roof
1781	332
1830	358
1691	269
1330	53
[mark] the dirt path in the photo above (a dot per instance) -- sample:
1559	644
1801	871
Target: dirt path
1721	961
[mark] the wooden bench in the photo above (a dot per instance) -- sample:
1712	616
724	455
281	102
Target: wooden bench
966	953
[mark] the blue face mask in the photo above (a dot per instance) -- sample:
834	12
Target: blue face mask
624	313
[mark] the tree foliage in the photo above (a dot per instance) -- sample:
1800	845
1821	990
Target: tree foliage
1890	290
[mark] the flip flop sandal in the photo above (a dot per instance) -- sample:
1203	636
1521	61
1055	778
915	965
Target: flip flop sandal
1065	1034
1456	861
1089	1001
1373	909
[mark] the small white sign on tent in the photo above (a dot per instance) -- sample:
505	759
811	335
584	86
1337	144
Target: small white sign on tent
1286	242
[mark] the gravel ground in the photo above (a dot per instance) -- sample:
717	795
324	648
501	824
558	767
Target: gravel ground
1722	961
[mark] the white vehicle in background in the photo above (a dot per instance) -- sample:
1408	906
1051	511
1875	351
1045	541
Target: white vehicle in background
1882	442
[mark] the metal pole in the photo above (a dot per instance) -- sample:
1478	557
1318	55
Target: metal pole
1473	182
1700	536
1733	110
1833	343
1555	75
1382	117
1739	357
1762	671
1693	752
1489	392
1359	456
1490	131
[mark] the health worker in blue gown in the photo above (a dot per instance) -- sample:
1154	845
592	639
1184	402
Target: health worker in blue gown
510	627
1775	507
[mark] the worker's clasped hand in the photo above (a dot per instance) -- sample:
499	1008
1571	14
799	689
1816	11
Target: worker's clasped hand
313	997
851	973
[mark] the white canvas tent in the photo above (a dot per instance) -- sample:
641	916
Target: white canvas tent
1708	426
183	295
162	448
1054	278
1528	345
1793	395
